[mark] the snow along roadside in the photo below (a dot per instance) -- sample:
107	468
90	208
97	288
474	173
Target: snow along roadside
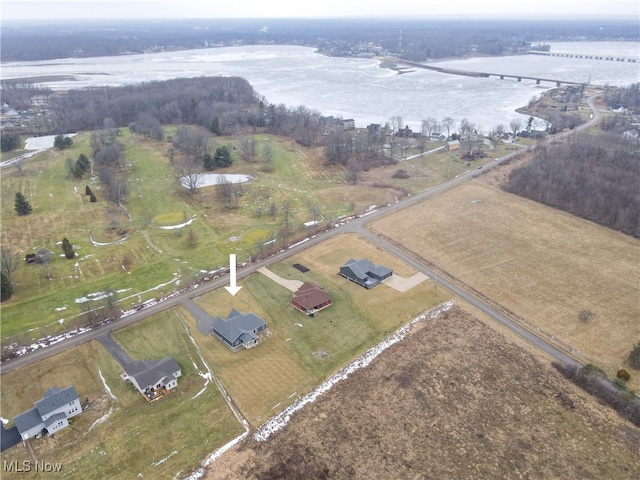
279	421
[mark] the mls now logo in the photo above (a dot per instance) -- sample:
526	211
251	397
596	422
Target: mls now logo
29	466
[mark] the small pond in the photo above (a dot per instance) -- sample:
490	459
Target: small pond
208	179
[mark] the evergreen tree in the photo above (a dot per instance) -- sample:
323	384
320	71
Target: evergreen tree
215	126
10	141
92	198
58	142
62	142
209	162
87	190
223	157
23	207
83	163
6	289
634	356
67	248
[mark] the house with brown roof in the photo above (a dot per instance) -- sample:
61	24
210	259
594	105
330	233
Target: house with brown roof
310	298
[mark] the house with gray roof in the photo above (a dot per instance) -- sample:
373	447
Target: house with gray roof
153	378
365	273
50	414
239	329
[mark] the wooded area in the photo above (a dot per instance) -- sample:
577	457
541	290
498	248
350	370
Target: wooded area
414	39
593	176
223	105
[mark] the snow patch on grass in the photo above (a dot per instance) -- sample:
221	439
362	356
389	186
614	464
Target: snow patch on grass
279	421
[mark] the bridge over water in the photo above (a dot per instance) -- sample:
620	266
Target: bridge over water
589	56
502	76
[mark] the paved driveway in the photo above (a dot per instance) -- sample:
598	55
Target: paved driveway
292	285
9	438
115	350
205	321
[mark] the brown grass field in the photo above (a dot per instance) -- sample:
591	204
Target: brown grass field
454	400
541	263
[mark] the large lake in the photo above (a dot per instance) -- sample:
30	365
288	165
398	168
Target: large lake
356	88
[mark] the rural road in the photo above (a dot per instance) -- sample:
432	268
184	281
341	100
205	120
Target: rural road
355	225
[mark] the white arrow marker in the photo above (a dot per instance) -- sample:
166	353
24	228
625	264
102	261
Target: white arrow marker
232	288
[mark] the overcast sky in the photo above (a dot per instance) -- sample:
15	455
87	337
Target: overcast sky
149	9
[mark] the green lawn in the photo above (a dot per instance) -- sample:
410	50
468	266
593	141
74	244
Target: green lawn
171	435
302	351
148	261
177	432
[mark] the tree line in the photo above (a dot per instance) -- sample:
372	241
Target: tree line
223	105
592	176
198	101
416	39
19	93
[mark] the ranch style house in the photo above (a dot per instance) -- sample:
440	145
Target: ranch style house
365	273
239	329
310	298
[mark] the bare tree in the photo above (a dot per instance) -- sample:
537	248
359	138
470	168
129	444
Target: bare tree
338	148
192	239
90	314
428	125
499	130
19	165
466	127
224	190
44	257
111	309
354	167
396	123
267	157
314	207
193	141
287	213
448	123
248	148
188	176
516	126
9	263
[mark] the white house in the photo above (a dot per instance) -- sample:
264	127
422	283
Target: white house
50	414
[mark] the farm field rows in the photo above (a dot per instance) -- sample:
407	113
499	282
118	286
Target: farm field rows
543	264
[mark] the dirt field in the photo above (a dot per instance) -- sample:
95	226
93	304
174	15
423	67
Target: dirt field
453	400
543	264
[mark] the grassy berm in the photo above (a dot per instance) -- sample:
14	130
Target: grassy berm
453	400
